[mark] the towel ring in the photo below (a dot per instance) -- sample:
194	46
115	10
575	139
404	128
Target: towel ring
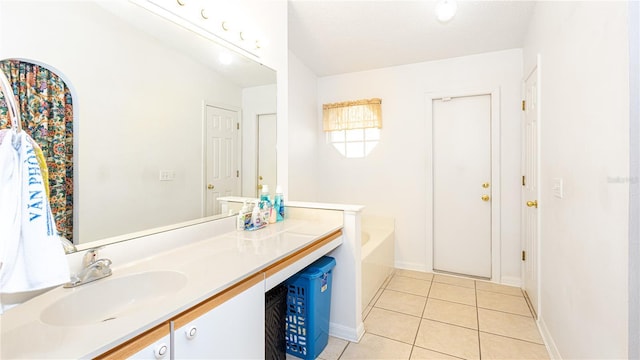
14	115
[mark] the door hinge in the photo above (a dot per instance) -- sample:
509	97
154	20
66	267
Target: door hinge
237	173
524	255
523	105
237	126
524	181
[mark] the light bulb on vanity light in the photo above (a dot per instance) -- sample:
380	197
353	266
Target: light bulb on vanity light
446	10
225	58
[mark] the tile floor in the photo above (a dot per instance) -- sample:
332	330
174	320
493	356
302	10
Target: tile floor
431	316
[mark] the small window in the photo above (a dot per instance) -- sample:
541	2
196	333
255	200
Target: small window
355	143
353	127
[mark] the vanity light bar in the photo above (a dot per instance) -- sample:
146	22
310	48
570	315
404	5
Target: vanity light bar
199	22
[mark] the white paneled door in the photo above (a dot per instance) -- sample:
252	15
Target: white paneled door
530	188
462	186
267	152
222	154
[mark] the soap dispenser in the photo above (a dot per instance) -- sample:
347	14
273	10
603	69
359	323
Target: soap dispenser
278	204
244	217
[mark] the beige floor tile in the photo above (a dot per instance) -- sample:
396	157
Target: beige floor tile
501	302
448	339
376	296
409	285
334	349
392	325
376	347
452	280
386	281
414	274
511	325
402	302
452	313
419	353
366	311
453	293
499	288
500	347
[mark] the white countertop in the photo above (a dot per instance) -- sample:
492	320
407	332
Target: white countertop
210	265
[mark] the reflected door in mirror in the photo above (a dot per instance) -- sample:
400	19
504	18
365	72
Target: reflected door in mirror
266	152
222	154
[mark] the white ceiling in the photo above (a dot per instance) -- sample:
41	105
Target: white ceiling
334	37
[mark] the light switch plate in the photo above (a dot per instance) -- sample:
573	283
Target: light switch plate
557	188
167	175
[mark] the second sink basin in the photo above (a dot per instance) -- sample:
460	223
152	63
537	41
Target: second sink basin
111	298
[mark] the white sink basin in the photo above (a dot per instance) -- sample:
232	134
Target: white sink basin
111	298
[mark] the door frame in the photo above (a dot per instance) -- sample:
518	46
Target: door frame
536	67
257	154
203	162
495	174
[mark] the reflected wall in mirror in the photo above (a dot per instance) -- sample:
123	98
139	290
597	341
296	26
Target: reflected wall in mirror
141	87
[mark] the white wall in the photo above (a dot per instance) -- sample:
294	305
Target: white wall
634	196
392	180
303	136
585	141
138	109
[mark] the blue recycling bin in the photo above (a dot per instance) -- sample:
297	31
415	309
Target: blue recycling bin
309	309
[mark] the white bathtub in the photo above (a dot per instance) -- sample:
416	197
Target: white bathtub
378	254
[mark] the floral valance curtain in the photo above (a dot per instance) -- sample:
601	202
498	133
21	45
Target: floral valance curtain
348	115
47	116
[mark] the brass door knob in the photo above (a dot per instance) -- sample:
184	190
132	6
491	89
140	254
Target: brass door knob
259	177
260	187
533	203
485	185
485	198
210	187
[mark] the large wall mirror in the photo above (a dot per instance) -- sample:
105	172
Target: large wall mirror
161	126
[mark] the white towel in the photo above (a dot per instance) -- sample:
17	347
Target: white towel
35	258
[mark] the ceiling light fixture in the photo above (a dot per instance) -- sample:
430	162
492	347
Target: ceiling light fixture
446	10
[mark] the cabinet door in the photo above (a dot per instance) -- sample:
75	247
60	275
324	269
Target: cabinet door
232	329
161	349
153	344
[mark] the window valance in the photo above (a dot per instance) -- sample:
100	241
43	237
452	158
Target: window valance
348	115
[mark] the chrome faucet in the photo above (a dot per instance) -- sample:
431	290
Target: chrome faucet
92	269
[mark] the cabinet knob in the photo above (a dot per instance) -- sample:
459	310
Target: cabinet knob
191	332
161	351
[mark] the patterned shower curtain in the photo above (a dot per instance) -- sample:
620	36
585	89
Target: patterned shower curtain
47	116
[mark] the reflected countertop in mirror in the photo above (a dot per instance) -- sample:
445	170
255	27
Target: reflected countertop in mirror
141	86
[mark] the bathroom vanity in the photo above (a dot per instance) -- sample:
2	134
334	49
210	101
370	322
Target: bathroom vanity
204	299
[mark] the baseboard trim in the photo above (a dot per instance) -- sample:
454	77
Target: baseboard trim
411	266
552	349
511	281
346	333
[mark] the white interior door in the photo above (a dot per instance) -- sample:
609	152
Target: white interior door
462	185
530	190
267	153
222	154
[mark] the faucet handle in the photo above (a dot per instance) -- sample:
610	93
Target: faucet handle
90	257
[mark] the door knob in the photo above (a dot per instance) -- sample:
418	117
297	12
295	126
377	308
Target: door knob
485	185
485	198
210	187
259	177
533	203
260	187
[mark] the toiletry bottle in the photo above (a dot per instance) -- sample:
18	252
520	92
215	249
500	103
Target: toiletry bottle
256	217
279	204
242	215
265	204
